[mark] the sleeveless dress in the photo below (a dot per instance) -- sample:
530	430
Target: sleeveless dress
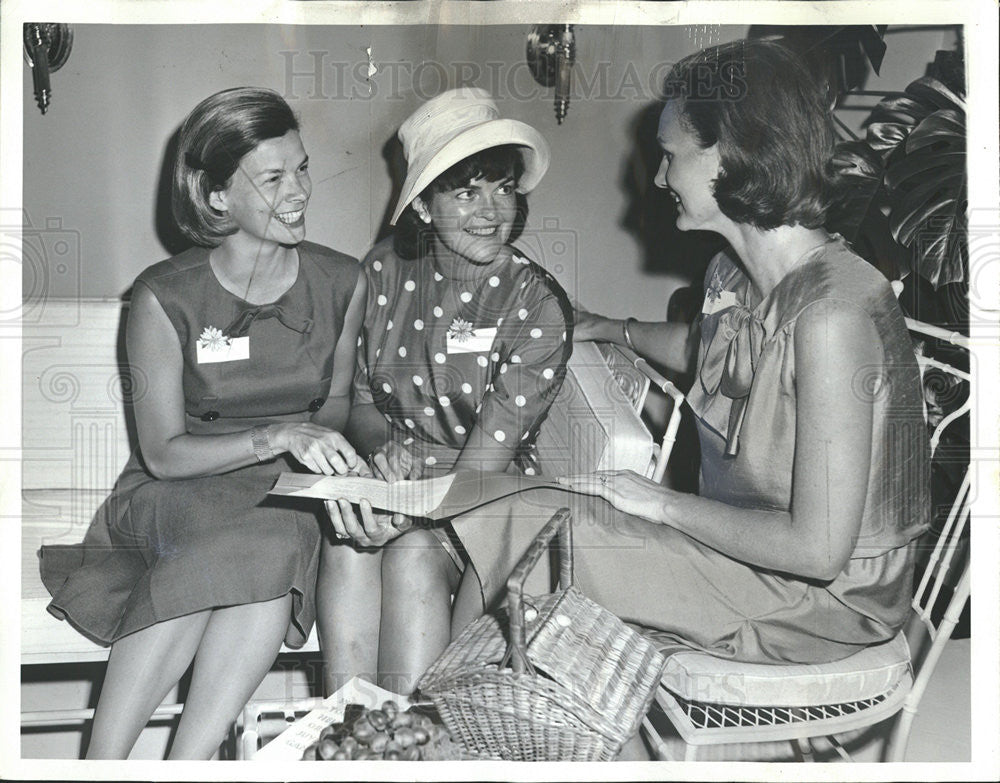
441	355
160	549
683	592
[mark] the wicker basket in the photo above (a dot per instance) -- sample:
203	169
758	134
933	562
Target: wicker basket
570	684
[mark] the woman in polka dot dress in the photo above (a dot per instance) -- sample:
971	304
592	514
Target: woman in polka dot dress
464	348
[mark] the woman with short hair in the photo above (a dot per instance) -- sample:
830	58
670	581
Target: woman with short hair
241	352
464	348
814	453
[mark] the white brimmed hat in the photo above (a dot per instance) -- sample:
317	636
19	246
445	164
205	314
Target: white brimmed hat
454	125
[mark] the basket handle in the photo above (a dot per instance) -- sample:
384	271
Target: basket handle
517	653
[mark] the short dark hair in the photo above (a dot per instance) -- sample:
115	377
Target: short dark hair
757	100
212	141
493	163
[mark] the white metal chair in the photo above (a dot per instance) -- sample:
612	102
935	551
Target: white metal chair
712	701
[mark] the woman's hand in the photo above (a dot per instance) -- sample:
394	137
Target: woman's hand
394	462
318	448
591	326
372	530
626	490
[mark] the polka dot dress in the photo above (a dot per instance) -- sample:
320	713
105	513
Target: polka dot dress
441	356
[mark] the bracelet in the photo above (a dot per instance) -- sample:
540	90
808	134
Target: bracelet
627	335
261	444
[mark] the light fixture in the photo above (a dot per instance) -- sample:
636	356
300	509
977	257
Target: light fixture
46	48
551	54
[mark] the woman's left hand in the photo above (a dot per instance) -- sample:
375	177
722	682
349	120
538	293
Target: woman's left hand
626	490
371	530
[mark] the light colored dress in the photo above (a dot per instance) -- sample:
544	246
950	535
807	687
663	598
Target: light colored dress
744	400
162	549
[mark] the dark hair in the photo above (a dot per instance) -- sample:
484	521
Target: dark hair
493	163
759	103
212	141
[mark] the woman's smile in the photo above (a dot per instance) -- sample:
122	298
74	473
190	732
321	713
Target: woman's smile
292	219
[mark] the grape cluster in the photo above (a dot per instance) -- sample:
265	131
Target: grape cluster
385	733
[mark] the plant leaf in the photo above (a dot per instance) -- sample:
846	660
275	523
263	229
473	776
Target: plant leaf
900	174
945	260
942	127
900	108
859	172
919	211
933	92
930	220
884	137
875	244
857	159
926	179
870	38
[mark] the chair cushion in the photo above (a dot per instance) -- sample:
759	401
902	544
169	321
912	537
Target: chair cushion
698	676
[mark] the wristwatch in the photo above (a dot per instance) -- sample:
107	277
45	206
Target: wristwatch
261	444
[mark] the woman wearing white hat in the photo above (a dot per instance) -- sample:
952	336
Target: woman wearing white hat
464	348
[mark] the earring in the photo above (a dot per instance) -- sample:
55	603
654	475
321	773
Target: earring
421	209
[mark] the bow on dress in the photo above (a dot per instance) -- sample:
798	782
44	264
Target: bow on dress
730	362
241	324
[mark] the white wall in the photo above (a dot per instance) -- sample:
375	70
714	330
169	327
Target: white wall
94	163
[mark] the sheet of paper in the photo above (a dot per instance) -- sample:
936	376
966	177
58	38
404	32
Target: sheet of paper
414	498
434	498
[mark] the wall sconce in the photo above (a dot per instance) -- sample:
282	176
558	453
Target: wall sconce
551	54
46	49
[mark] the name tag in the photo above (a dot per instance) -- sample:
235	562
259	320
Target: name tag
237	350
721	301
473	341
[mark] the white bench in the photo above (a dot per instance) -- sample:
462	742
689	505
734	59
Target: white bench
78	434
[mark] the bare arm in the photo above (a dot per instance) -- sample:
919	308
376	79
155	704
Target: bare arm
168	450
834	345
672	345
337	410
367	428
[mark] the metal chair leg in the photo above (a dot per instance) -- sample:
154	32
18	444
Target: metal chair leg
662	751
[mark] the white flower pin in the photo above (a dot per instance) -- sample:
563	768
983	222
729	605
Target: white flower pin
212	339
460	330
715	289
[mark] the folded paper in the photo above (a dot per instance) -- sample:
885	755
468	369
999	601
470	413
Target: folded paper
433	498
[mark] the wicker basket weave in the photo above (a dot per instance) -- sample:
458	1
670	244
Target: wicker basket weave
579	680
